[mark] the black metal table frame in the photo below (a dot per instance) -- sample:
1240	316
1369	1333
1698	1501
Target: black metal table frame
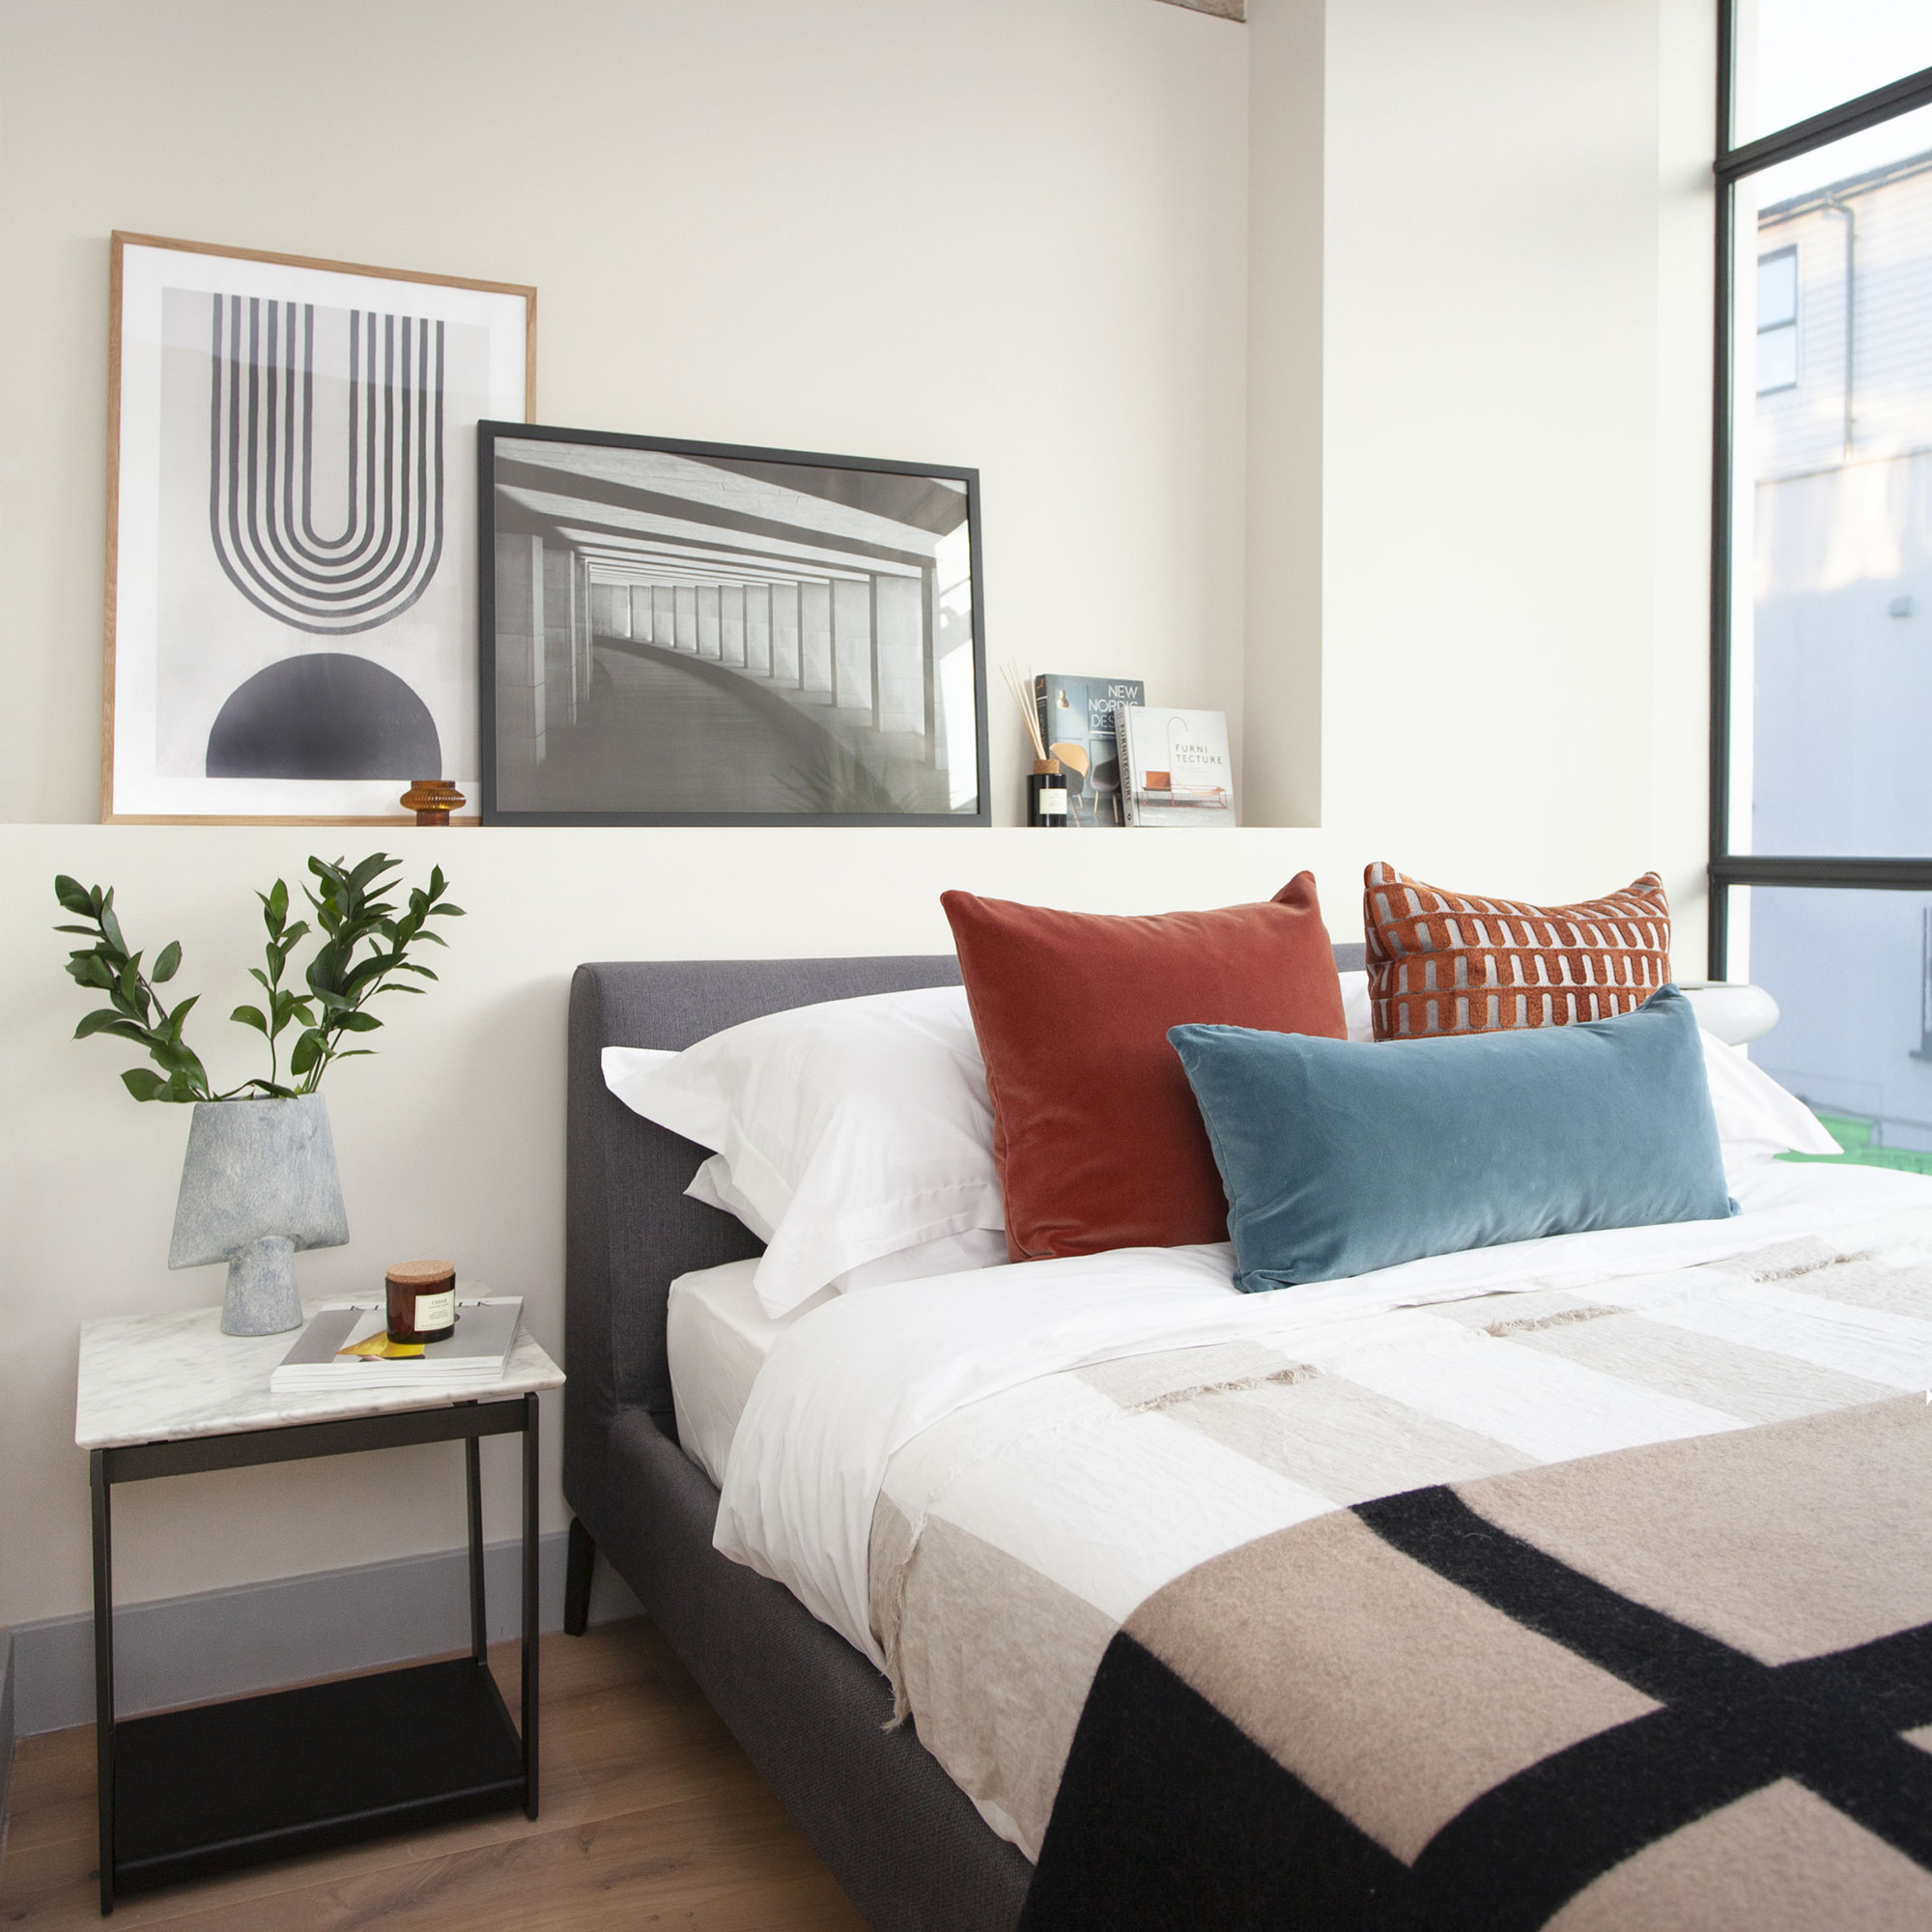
468	1422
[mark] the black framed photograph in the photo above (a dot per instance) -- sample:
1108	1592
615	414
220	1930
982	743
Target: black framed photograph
679	633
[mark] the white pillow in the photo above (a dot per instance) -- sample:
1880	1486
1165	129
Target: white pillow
946	1253
854	1130
1357	1012
1757	1119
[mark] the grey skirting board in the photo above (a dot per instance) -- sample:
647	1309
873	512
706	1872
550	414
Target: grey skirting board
259	1636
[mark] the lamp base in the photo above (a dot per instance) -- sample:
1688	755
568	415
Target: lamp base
262	1297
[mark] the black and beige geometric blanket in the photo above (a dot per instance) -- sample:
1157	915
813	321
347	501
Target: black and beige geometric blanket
1681	1686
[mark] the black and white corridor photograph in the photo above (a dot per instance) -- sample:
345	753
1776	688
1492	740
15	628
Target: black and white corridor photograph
692	633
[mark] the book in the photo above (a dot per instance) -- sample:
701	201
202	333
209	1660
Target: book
1076	721
348	1348
1174	768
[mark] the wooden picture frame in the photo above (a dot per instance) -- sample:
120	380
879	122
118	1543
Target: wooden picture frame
289	575
677	633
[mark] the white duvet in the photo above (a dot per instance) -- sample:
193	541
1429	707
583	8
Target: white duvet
856	1380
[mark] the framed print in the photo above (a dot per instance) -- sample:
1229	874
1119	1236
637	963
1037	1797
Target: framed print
699	634
290	615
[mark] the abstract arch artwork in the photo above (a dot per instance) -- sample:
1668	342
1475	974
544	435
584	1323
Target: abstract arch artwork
292	550
325	716
358	562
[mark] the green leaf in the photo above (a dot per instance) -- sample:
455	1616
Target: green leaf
99	1022
180	1090
110	926
360	1022
178	1018
451	911
172	1055
166	963
143	1083
308	1050
72	895
250	1016
86	931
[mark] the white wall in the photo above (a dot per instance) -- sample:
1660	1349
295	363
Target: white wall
1513	222
1005	232
1002	233
1008	233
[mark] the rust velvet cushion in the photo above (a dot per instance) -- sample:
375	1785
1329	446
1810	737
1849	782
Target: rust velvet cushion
1097	1135
1451	962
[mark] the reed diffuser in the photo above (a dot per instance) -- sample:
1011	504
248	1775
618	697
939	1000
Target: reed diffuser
1046	782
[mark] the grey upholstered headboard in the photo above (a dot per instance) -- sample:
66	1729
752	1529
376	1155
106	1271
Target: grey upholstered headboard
630	1228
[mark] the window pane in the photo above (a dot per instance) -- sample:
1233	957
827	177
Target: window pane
1776	359
1795	58
1832	620
1778	288
1854	1037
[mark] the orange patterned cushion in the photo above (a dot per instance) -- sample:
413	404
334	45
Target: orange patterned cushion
1444	962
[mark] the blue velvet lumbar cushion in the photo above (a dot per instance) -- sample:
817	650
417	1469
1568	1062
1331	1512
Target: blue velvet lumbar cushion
1340	1156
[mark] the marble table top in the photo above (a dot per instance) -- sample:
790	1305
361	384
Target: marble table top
160	1377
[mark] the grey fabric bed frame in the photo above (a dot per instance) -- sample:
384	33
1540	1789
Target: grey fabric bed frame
903	1839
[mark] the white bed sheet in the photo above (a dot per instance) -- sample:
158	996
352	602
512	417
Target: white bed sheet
847	1390
717	1336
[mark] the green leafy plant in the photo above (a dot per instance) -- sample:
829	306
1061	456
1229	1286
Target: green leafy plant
365	942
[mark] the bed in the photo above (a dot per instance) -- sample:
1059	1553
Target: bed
903	1837
897	1833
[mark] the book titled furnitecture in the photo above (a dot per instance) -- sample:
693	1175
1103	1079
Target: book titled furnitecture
1076	724
1174	767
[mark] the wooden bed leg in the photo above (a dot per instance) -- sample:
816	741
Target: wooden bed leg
581	1560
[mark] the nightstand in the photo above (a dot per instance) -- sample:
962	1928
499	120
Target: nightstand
190	1792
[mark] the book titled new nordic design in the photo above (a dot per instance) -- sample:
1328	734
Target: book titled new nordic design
346	1348
1076	724
1174	768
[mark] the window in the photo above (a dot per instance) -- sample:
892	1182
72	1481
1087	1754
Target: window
1821	797
1778	320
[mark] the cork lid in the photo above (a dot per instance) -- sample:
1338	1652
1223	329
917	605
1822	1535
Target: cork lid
416	1275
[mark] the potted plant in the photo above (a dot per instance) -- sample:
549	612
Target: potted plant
260	1178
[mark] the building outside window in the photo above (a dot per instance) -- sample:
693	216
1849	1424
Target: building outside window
1776	320
1822	740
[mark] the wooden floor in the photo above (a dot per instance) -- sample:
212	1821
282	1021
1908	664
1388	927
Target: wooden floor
652	1816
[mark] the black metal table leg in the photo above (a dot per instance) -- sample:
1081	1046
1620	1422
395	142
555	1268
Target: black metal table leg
479	1621
530	1606
103	1673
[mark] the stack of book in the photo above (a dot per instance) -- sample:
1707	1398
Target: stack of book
347	1348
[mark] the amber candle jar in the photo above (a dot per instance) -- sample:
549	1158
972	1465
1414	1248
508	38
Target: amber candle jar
422	1301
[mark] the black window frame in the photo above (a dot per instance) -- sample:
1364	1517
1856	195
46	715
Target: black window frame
1734	164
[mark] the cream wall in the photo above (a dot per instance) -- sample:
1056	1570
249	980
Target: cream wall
1014	233
1514	232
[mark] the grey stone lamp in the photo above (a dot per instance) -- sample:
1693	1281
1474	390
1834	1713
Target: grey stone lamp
259	1182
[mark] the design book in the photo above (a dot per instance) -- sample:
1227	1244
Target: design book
1076	722
1174	767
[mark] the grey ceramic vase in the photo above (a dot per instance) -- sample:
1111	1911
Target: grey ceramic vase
258	1184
